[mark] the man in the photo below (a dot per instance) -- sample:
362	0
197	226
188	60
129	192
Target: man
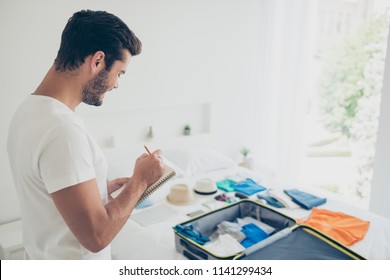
58	169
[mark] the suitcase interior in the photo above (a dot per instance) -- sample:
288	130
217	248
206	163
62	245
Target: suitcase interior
289	241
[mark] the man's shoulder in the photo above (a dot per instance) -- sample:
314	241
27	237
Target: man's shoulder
44	118
48	112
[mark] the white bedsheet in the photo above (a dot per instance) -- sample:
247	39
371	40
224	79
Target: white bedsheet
156	240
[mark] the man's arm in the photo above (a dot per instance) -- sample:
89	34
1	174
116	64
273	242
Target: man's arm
116	184
94	224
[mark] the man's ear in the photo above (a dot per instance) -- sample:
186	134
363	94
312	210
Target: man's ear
97	61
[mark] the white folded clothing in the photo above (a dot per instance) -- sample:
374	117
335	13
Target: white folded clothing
233	229
224	245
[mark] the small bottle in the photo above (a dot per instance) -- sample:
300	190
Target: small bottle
150	133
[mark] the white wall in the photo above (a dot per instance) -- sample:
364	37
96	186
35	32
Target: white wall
194	52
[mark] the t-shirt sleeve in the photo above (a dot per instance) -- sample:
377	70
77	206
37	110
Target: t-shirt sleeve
65	157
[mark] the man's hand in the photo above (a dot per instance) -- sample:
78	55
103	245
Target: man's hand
115	184
148	169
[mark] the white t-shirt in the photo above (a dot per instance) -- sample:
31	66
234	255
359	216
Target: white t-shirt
49	149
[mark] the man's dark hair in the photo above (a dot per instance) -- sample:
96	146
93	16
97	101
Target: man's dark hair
90	31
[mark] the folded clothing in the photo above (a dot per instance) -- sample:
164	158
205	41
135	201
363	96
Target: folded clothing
283	198
305	200
193	233
249	220
248	187
233	229
270	200
233	237
226	185
224	245
342	227
253	234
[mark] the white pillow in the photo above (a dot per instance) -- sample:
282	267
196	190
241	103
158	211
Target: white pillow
193	161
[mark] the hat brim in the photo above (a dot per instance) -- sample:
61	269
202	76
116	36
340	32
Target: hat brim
190	202
205	193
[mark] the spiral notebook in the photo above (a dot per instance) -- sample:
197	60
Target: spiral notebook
168	173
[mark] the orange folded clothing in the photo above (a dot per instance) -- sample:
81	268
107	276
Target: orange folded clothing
342	227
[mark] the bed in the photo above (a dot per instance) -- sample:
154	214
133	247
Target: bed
148	234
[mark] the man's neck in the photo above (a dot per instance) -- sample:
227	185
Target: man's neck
63	86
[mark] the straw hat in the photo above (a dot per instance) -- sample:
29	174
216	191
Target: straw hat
181	194
205	186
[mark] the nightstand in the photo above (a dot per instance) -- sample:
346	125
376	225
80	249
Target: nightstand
11	241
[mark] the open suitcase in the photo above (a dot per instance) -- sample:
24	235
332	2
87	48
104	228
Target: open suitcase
289	241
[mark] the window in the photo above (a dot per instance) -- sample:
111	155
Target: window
343	107
320	81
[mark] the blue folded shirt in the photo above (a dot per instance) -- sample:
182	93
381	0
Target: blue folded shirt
253	234
248	187
193	233
305	200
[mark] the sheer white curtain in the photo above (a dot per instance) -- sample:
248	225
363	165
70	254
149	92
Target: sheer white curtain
286	44
380	192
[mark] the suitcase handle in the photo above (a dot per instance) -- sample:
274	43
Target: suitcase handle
193	249
189	256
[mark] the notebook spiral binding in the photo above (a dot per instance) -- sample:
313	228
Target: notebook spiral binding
154	187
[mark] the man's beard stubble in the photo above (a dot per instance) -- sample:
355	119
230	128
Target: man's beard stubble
95	88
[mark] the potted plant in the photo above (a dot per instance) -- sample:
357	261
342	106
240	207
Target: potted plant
245	152
187	129
246	161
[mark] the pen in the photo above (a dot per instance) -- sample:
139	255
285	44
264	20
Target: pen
146	148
